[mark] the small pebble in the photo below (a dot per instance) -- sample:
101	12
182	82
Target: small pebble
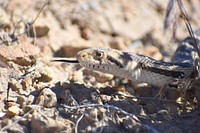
13	111
47	98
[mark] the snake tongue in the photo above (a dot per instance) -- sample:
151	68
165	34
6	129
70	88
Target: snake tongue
66	60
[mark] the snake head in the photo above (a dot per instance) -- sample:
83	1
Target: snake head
101	59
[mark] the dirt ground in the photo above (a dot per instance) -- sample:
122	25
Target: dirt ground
41	96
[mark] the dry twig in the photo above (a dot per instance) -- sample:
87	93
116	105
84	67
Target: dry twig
9	38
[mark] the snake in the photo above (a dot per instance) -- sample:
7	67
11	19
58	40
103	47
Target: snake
180	72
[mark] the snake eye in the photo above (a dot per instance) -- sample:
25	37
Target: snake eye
99	54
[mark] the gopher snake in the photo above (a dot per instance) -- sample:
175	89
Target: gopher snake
179	73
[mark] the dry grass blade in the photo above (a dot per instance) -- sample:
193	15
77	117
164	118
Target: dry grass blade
175	25
170	17
29	25
188	25
11	37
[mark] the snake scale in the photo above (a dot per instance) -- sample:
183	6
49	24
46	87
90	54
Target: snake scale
180	72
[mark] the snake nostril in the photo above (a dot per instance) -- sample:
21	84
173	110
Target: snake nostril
81	55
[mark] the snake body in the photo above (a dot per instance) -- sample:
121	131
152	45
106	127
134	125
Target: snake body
142	69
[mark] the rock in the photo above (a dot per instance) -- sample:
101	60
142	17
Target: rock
45	124
19	53
102	77
89	122
44	74
47	98
105	98
27	108
90	80
26	82
87	33
11	103
39	86
131	125
92	115
79	92
21	100
28	90
77	76
66	97
23	61
15	85
13	111
6	122
51	73
99	76
60	75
